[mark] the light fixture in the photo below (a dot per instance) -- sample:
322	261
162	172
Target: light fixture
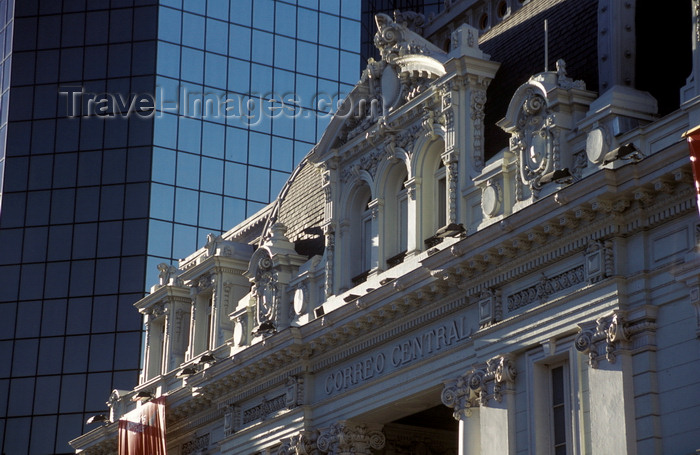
560	176
450	230
624	152
97	418
186	372
206	358
142	396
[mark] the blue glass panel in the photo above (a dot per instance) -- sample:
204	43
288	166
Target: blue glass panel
277	181
113	166
11	247
192	65
35	247
213	140
351	9
163	166
306	57
210	210
241	11
286	23
238	76
254	207
212	175
62	206
76	354
84	240
43	441
184	240
79	315
168	59
262	43
330	59
38	201
218	9
21	398
19	429
329	29
196	6
349	35
50	355
136	201
239	42
235	180
7	329
99	386
73	388
306	92
5	363
53	318
165	133
68	424
283	125
234	212
56	282
236	145
101	350
25	355
82	277
284	53
185	208
215	70
108	271
112	202
259	149
309	31
104	314
349	67
261	83
48	404
258	184
263	14
188	170
193	30
282	154
160	237
132	275
189	135
217	33
162	201
167	95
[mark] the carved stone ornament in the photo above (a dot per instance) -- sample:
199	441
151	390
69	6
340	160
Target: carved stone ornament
349	438
168	275
479	385
266	296
303	443
608	332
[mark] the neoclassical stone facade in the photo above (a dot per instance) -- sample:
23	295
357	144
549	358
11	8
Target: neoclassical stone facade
409	294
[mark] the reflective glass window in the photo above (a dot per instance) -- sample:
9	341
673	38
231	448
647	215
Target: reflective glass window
238	76
192	65
329	29
132	275
35	247
330	7
68	424
97	56
194	29
163	201
49	31
53	317
330	58
119	60
108	271
306	92
160	237
165	130
234	211
50	355
134	236
112	202
38	203
21	398
263	14
212	175
184	240
305	129
7	327
84	240
261	83
351	9
25	356
277	181
309	18
349	67
5	361
258	184
284	53
129	352
235	180
79	315
120	25
185	207
286	23
196	6
73	390
143	58
71	68
30	282
217	34
236	145
168	59
218	9
136	201
215	70
306	57
10	248
101	349
62	205
43	440
108	239
81	278
210	210
282	154
259	154
239	42
189	136
163	165
187	170
213	140
262	43
98	386
65	170
48	404
104	315
9	277
56	281
169	24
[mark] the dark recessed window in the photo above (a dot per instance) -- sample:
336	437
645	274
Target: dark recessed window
502	9
484	21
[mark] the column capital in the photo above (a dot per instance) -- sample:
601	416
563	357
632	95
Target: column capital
350	438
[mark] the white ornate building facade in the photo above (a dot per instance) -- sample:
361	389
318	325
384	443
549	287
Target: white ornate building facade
411	293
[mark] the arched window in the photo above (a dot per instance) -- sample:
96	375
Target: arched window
396	223
432	197
361	247
441	195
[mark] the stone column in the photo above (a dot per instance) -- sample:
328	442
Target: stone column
413	244
462	396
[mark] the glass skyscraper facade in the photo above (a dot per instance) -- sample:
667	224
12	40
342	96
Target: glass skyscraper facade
129	130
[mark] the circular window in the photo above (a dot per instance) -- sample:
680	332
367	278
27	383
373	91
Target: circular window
502	9
484	21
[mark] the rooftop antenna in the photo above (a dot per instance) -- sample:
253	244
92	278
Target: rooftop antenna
546	44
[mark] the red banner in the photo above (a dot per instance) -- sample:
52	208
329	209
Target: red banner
694	146
142	431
